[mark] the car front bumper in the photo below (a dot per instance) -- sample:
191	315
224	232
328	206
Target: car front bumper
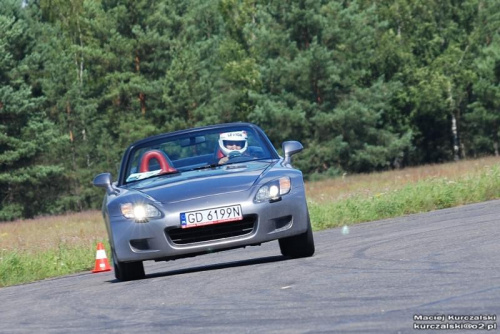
163	239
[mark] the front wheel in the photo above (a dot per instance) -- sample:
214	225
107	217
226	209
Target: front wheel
301	245
128	271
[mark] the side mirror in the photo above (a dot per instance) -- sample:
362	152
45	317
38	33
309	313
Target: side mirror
104	181
290	148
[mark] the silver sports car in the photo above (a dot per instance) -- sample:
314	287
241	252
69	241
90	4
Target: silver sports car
202	190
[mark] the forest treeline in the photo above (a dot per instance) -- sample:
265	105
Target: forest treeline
365	85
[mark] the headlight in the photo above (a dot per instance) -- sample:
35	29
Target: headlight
140	212
273	190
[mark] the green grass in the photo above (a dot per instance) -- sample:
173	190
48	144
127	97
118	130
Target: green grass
21	267
46	247
422	196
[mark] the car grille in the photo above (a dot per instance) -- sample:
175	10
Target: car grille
183	236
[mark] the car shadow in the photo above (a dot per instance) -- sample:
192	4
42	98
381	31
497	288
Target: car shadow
217	266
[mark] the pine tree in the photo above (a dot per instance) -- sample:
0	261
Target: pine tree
320	86
28	179
70	45
438	43
482	117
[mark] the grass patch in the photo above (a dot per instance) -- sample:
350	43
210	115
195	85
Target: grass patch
20	267
408	198
45	247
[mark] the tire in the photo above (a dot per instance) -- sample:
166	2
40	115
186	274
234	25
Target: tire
301	245
128	271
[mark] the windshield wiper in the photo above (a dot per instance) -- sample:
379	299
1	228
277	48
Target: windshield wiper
208	166
170	173
215	165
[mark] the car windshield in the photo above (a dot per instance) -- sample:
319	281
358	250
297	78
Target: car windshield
194	151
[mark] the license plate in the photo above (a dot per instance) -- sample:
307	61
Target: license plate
211	216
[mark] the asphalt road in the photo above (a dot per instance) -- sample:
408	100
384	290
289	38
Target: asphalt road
373	278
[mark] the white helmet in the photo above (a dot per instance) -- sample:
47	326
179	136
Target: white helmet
240	137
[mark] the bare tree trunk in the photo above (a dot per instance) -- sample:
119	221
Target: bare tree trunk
80	74
137	62
454	130
454	127
142	99
68	112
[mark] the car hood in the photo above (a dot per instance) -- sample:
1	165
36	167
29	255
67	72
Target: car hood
201	183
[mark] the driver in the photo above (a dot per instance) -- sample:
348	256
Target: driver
231	144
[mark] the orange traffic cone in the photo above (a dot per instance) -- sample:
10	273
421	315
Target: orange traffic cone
101	261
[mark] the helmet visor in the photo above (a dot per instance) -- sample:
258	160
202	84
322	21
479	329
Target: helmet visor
240	143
